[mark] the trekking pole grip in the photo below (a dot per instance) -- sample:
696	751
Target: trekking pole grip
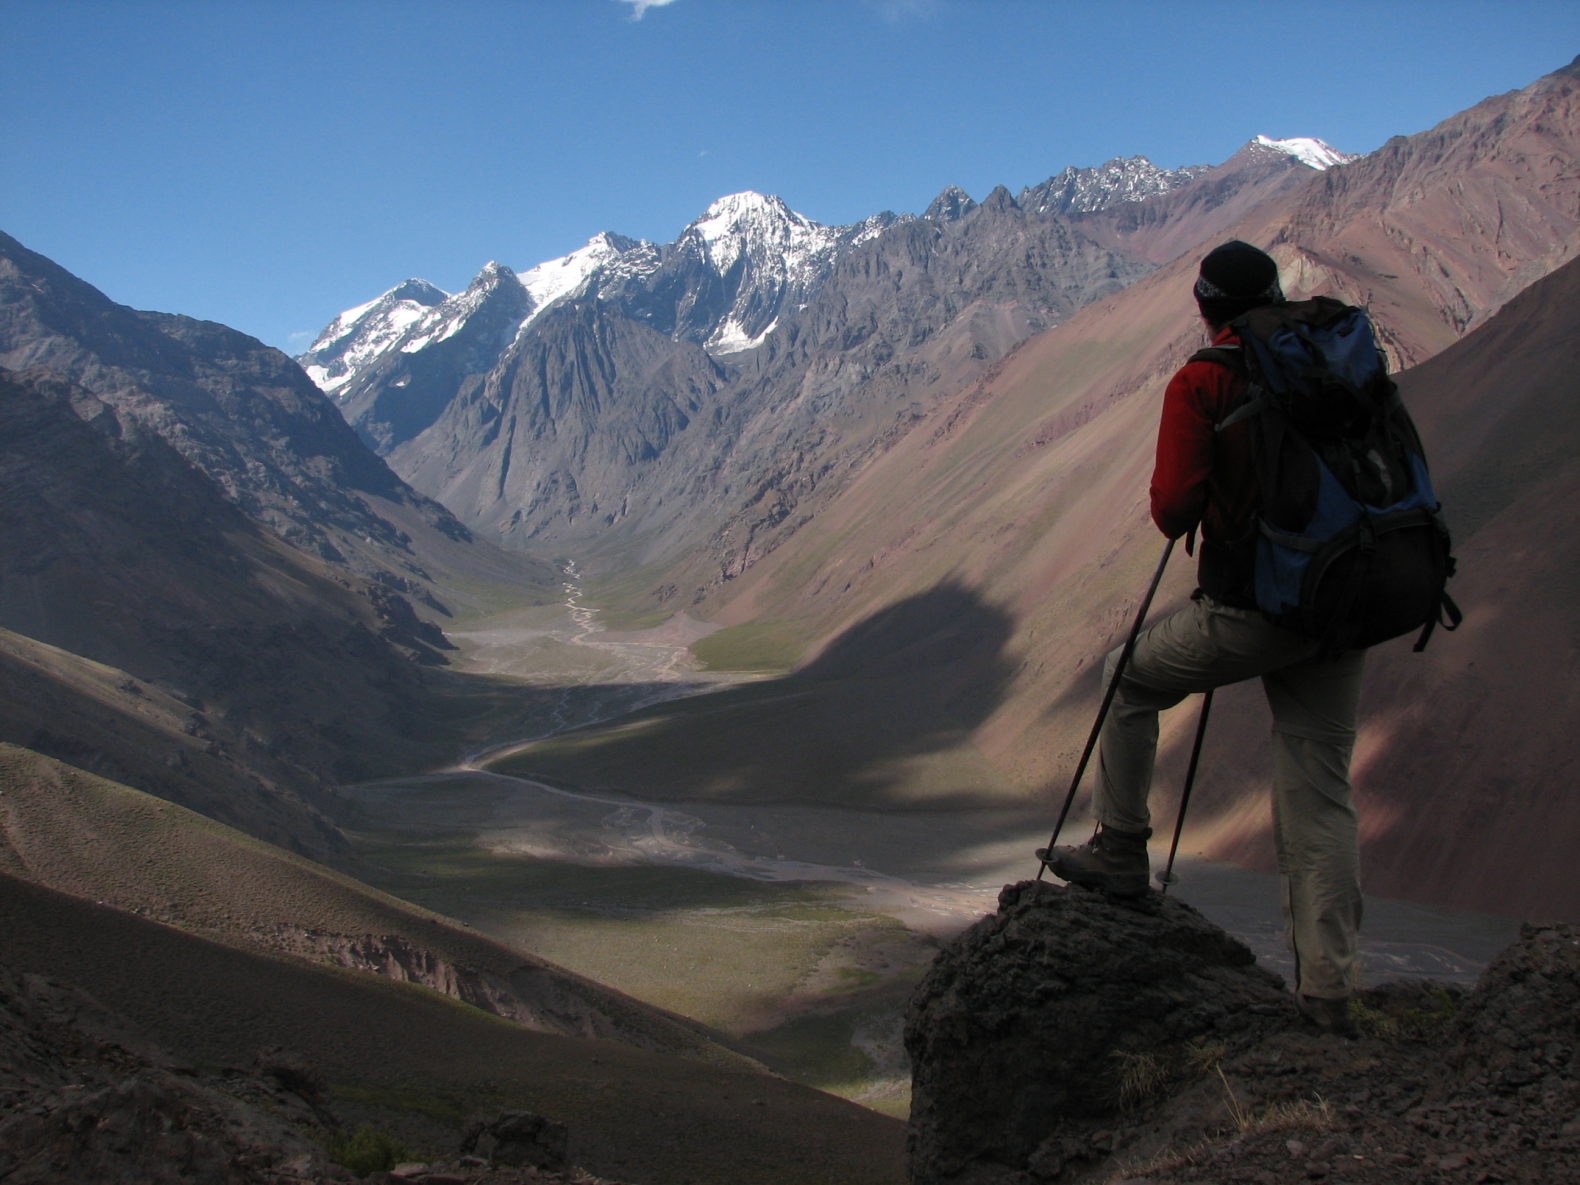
1108	696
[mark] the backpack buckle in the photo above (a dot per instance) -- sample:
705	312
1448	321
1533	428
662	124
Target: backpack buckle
1368	536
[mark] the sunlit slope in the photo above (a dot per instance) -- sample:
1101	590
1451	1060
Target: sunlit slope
1053	531
419	1062
1030	497
102	842
1042	467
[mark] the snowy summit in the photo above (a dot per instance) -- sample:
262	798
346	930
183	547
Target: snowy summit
1308	151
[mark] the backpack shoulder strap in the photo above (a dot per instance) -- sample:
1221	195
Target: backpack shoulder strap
1227	355
1234	358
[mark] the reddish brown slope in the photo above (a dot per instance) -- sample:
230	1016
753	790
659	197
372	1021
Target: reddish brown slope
1164	227
1436	231
1474	753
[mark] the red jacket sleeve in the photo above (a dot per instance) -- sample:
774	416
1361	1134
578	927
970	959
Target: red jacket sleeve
1185	449
1203	477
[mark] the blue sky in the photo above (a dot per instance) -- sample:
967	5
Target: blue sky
267	163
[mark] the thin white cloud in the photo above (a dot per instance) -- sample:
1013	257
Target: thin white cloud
639	7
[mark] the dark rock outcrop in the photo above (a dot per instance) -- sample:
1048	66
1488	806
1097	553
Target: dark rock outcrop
1040	1026
1520	1029
518	1139
84	1098
1075	1038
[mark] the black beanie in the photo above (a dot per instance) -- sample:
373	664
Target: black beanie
1234	278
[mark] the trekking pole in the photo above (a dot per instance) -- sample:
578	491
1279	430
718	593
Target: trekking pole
1108	699
1167	877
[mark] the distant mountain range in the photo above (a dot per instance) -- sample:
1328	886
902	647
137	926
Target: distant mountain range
550	405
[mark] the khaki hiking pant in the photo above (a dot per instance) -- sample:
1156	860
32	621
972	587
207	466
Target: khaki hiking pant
1314	702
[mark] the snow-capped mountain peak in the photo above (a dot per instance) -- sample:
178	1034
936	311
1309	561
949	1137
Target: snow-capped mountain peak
741	213
492	272
748	223
549	281
1313	153
768	255
494	285
952	204
361	334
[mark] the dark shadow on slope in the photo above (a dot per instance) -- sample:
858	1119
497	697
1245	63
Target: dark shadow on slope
912	681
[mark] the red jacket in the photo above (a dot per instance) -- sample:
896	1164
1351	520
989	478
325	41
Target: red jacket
1205	478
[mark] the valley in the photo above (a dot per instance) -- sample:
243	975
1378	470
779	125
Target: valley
796	928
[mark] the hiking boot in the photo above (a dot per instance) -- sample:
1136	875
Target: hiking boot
1331	1016
1112	861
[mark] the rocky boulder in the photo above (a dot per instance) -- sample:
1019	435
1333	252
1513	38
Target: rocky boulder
1073	1038
1042	1025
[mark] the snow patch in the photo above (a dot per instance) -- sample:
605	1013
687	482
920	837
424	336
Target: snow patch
732	337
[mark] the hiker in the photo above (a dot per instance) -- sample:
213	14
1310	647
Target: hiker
1205	480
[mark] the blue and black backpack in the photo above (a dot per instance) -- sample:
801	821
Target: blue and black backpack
1351	548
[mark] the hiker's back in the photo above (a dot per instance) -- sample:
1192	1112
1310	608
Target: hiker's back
1349	546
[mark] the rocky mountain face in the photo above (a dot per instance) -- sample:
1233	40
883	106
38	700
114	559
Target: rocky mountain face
1119	181
241	413
1435	232
152	632
209	588
749	296
560	435
1071	1037
919	313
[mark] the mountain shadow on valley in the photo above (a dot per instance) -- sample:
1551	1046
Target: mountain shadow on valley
882	716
